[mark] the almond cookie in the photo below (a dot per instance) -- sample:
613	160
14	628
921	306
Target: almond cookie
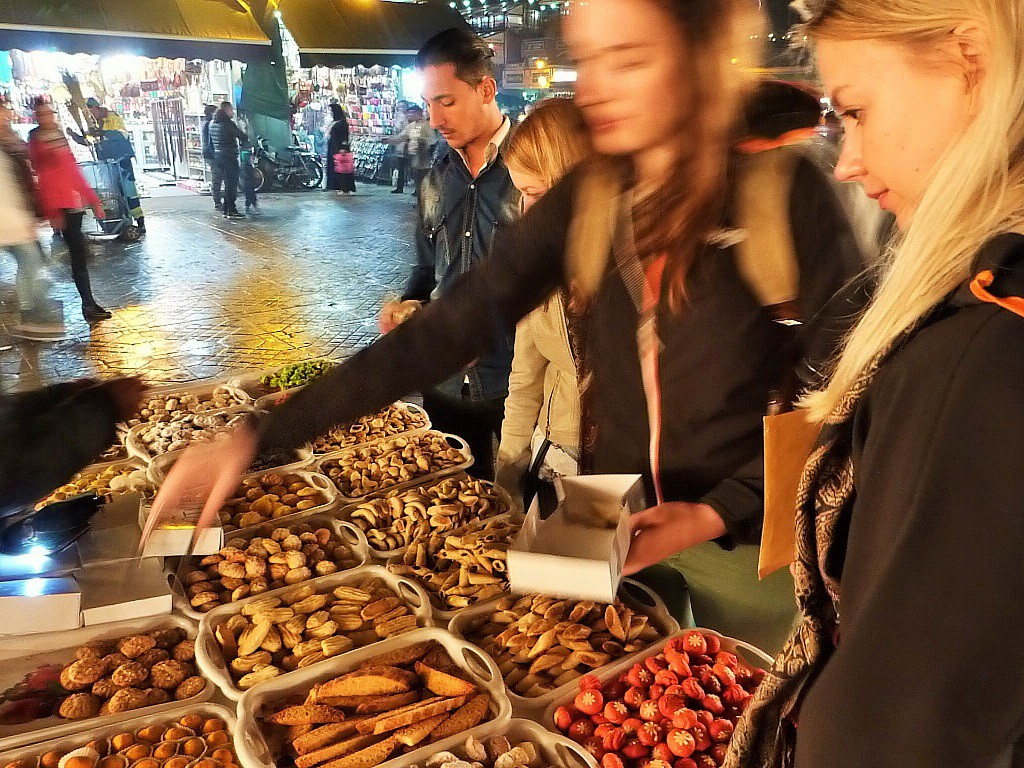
105	688
114	660
185	651
153	656
136	645
193	686
67	683
131	674
85	672
168	638
126	700
79	706
169	674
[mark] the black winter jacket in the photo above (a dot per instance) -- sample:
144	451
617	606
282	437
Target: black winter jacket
723	353
225	136
932	623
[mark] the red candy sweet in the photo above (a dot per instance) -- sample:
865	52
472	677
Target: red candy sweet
662	752
720	730
639	676
649	711
581	730
701	737
650	734
616	712
695	643
632	725
681	743
635	696
614	739
590	682
685	762
611	760
635	750
563	718
668	705
589	701
684	719
667	677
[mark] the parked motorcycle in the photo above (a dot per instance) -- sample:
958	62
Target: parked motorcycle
298	169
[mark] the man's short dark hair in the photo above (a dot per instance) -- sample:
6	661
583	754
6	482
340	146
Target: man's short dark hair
209	110
460	47
226	105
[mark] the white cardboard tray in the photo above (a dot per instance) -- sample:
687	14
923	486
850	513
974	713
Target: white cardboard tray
20	655
251	745
212	661
161	465
346	512
454	440
399	404
138	449
556	750
346	531
83	736
635	595
748	653
202	387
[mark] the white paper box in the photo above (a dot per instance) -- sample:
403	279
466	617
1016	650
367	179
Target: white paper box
172	538
562	556
127	589
40	605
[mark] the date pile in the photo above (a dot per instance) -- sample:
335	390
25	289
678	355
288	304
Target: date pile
396	521
110	677
393	420
304	626
675	709
467	567
393	703
283	557
541	643
495	752
268	497
373	468
193	740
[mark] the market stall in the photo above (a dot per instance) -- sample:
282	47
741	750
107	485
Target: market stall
353	606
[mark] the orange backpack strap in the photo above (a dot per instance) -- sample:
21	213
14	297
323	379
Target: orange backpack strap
980	286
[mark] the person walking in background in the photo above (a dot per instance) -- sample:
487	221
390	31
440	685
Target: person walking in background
340	177
247	178
114	143
227	139
540	435
418	139
64	196
401	156
39	316
462	201
217	178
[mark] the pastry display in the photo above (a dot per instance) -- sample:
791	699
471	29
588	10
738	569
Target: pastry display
162	409
270	496
493	752
106	483
393	420
190	429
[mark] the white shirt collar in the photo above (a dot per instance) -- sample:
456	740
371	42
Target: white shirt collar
492	147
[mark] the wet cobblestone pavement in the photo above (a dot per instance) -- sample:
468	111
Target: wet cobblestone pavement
201	296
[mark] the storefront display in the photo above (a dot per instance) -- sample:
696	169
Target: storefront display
344	653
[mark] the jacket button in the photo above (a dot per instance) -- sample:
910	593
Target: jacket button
469	234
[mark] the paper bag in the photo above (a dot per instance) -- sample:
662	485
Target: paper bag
788	441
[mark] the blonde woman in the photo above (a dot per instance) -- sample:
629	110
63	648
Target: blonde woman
910	533
542	411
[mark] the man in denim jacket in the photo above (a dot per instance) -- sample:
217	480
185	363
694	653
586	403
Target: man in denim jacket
462	200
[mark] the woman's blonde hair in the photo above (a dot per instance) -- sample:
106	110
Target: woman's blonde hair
976	191
550	141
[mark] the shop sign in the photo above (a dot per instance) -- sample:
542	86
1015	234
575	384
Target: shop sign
513	76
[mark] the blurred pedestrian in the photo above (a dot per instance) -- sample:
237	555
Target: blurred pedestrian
540	434
217	178
418	139
227	139
64	196
39	316
113	142
247	174
340	177
400	154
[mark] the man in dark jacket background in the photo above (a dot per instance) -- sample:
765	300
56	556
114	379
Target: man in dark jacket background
461	201
226	139
217	182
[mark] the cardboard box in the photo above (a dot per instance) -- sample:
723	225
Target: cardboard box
125	589
172	537
36	605
574	554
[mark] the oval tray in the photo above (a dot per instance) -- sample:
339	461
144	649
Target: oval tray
22	654
161	465
138	449
346	531
212	661
454	440
202	387
252	747
400	404
632	593
555	750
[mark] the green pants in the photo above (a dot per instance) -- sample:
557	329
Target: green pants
724	594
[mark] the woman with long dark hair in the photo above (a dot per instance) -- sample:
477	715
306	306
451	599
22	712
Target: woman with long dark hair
703	275
341	181
65	196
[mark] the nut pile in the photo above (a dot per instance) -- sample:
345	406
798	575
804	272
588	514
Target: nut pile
189	429
678	707
110	677
374	468
284	557
106	483
393	703
463	568
397	521
495	752
393	420
167	408
304	626
268	497
541	643
294	375
193	740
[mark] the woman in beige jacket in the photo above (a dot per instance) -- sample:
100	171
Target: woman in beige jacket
543	398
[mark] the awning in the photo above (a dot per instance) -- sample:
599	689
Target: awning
190	29
364	32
